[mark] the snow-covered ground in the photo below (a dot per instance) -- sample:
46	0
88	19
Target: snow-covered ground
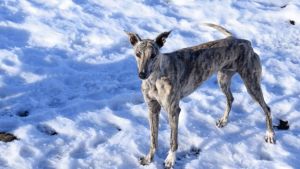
70	65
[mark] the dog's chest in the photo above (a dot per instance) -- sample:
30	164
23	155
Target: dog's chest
149	89
153	93
157	88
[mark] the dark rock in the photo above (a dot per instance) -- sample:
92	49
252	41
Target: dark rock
292	22
283	125
7	137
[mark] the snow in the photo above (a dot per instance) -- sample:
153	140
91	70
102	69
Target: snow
70	65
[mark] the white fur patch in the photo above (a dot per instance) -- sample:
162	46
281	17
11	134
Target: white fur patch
270	137
170	160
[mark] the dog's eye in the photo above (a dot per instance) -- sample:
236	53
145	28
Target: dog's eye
153	55
138	54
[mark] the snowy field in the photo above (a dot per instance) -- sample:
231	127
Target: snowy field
70	93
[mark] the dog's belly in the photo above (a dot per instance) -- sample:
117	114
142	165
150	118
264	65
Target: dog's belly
188	90
190	81
193	82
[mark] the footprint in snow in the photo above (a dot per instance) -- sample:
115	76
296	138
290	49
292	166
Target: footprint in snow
23	113
79	152
56	102
47	130
101	139
186	156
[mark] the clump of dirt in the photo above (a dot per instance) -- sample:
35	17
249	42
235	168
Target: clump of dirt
7	137
292	22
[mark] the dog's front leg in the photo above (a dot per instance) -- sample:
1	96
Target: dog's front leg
154	109
173	114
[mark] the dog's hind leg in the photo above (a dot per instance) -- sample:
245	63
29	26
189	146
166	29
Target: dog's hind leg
224	80
154	109
251	77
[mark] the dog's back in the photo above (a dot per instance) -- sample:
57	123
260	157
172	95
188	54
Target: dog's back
193	65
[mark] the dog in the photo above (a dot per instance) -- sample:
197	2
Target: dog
168	77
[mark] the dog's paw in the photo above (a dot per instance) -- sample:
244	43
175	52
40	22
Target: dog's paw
270	137
170	160
145	160
221	123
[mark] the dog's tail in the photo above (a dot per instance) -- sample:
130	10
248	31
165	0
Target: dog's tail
219	28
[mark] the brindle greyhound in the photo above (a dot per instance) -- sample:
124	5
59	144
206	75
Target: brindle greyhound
168	77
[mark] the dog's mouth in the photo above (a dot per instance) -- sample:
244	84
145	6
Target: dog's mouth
143	76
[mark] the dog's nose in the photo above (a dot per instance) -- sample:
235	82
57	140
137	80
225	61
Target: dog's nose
142	75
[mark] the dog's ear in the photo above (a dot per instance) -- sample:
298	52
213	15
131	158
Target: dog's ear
161	38
133	38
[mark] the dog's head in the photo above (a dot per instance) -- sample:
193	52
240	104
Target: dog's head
146	51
